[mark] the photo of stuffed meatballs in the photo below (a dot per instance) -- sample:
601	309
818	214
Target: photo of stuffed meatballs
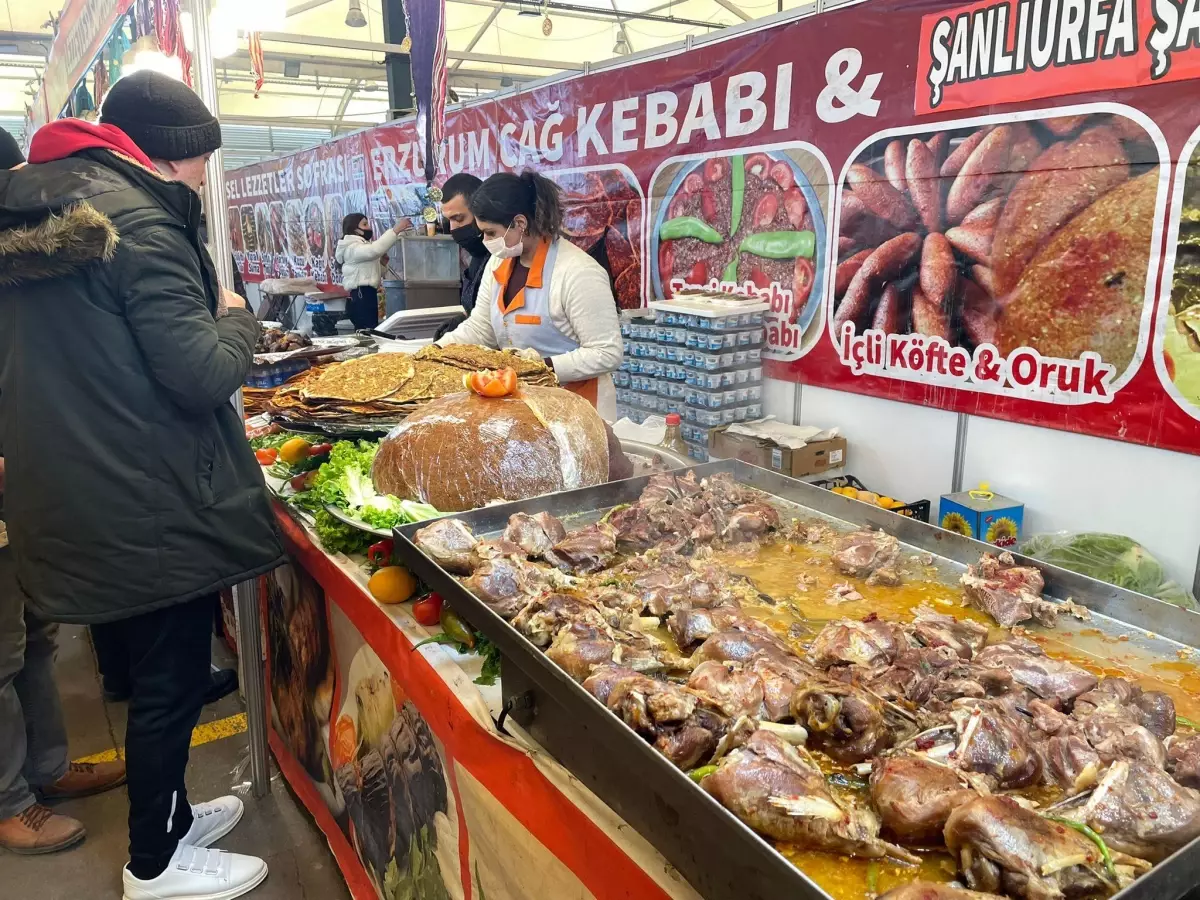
1179	330
1035	233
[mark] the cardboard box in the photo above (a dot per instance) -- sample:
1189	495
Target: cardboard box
984	516
811	459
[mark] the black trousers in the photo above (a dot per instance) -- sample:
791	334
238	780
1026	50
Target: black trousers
168	652
363	307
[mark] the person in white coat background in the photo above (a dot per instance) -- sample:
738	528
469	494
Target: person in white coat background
541	294
361	260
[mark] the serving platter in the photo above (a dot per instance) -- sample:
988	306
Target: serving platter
718	854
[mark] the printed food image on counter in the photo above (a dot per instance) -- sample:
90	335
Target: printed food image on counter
397	809
602	214
1017	243
749	223
262	225
249	234
1180	328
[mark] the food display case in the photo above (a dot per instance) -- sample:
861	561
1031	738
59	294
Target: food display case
721	857
423	272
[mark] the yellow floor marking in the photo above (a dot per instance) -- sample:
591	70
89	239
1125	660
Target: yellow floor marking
202	734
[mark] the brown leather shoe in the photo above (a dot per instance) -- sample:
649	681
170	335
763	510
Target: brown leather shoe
85	779
40	830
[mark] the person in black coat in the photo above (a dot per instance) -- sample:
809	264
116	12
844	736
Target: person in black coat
456	197
132	495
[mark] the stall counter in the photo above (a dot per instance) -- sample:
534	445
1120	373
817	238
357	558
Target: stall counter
395	753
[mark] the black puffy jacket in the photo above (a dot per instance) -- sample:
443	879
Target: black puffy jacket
130	485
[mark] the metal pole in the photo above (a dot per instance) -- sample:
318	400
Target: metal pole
249	625
960	453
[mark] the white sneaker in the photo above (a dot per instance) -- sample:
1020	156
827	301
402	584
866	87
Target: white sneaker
212	821
195	873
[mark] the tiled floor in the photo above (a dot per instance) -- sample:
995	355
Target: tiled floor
275	828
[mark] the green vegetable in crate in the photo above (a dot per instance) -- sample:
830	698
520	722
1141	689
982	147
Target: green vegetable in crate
1112	558
689	226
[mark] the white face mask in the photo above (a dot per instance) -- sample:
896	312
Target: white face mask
501	250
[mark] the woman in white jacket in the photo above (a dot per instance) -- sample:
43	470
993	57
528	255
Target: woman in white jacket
362	266
540	293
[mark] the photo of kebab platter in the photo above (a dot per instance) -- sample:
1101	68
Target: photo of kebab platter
997	247
893	729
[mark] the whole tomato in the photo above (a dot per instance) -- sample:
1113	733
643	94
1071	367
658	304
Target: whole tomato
428	610
267	456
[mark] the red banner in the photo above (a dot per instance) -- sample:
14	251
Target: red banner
1008	261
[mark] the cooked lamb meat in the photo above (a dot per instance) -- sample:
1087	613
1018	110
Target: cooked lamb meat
913	675
587	550
724	490
579	648
1050	679
604	678
504	584
740	646
780	676
536	534
1183	756
692	626
844	722
872	555
933	629
733	689
1153	710
779	791
680	722
1004	848
870	643
915	796
543	617
1071	763
1009	593
449	543
996	743
1141	811
750	521
634	529
929	890
1114	735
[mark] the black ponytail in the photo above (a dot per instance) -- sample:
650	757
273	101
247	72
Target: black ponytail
505	196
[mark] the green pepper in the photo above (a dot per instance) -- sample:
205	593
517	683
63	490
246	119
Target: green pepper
1092	836
1187	723
454	626
703	772
780	244
689	226
729	276
738	194
873	877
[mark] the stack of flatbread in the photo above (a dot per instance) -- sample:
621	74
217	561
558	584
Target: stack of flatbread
386	387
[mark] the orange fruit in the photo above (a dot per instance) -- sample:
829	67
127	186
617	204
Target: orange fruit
392	584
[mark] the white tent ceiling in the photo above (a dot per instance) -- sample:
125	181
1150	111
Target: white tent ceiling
337	85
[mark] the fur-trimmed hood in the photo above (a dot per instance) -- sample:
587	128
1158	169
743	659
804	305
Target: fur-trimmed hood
50	226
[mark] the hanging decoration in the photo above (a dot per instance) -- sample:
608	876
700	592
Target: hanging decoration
100	81
256	62
170	36
426	20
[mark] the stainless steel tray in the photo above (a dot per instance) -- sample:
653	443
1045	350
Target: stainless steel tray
721	857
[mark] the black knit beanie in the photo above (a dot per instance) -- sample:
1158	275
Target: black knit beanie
164	117
10	152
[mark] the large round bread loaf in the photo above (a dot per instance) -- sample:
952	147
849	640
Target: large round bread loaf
464	451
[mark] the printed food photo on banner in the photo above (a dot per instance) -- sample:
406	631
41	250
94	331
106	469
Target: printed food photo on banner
603	210
1178	340
250	240
751	223
266	240
279	238
296	241
237	240
314	230
398	810
1010	256
302	671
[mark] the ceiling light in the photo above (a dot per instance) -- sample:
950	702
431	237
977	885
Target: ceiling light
621	47
354	15
145	55
223	32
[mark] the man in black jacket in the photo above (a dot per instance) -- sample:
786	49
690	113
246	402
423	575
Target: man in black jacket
132	494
